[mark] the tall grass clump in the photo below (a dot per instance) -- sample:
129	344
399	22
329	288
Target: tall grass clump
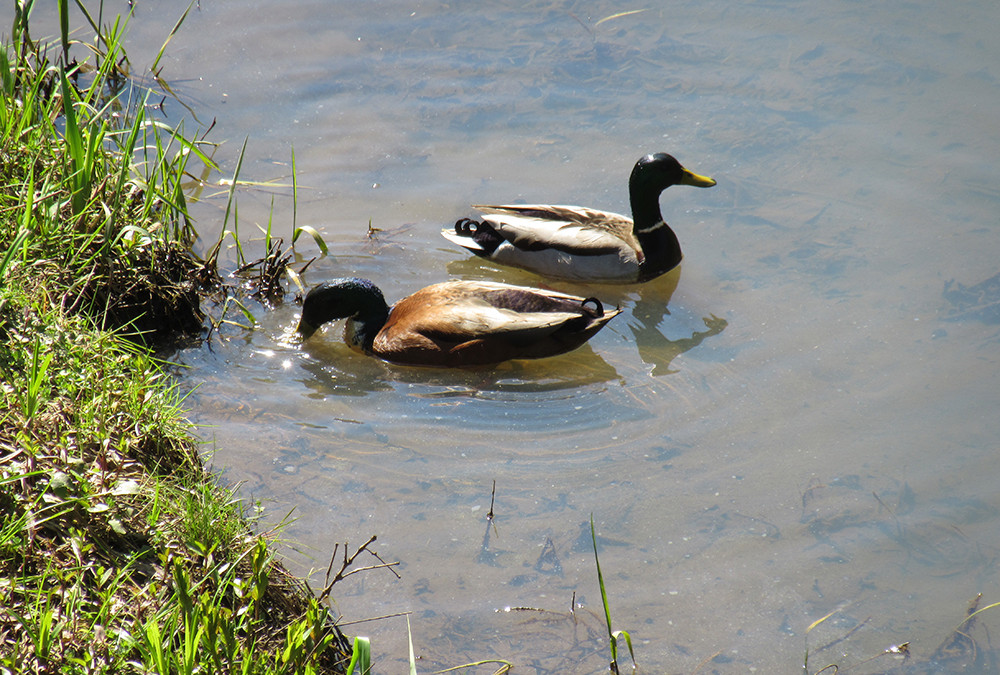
118	551
94	189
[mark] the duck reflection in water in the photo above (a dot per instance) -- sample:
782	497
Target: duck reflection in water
649	304
648	314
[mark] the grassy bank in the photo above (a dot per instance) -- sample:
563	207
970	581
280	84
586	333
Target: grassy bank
118	552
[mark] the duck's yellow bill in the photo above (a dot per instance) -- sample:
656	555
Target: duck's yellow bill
691	178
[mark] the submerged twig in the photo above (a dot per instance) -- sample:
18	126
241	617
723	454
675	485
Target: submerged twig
373	618
342	573
843	637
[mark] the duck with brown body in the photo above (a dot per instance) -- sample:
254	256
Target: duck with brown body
583	244
456	323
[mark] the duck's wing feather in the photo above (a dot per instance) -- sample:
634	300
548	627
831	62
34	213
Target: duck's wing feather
464	241
573	229
461	311
468	323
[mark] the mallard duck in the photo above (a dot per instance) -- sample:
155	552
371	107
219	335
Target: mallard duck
573	242
456	323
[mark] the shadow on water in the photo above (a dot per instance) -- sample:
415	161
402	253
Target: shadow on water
336	369
979	302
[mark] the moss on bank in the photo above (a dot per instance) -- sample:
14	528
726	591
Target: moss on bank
118	551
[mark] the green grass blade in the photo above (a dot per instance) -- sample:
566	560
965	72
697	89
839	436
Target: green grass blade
361	656
6	79
618	16
312	232
83	155
270	224
159	658
36	377
295	193
173	31
22	12
243	309
604	595
94	25
618	634
18	244
409	639
231	204
973	614
73	138
188	145
64	29
505	666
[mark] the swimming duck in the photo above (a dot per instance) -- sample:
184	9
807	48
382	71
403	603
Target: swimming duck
456	323
582	244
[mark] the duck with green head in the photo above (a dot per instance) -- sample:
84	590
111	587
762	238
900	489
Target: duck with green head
456	323
583	244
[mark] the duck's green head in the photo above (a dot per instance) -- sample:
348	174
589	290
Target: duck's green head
657	172
351	297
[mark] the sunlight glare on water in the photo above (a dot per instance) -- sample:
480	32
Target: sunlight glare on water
800	422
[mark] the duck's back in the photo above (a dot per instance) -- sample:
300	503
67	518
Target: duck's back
566	242
565	227
477	323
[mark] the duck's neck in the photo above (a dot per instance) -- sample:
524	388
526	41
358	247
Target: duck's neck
357	300
659	244
362	327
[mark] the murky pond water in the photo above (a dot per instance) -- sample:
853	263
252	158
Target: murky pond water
802	420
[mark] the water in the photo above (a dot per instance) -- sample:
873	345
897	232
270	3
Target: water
800	421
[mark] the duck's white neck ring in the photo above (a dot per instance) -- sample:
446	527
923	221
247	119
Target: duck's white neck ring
652	228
